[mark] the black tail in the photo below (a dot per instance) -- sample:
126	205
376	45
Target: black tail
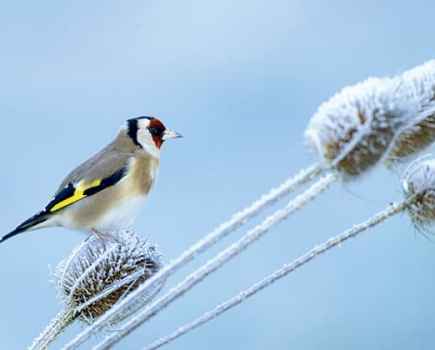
27	225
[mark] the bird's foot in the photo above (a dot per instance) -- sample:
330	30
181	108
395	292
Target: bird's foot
105	236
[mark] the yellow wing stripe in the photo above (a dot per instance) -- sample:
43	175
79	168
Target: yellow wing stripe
77	195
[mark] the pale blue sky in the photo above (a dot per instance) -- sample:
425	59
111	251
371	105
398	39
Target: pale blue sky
239	79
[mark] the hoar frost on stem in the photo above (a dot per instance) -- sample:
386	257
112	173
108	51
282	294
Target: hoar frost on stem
217	262
419	190
236	221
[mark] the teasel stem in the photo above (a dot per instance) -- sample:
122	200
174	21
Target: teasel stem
235	222
217	262
352	132
283	271
62	320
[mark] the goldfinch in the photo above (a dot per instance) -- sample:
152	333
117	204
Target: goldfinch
104	193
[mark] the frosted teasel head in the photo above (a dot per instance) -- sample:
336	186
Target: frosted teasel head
99	273
355	129
419	181
417	85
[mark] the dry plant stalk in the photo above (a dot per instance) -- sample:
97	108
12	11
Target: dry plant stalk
236	221
419	189
217	262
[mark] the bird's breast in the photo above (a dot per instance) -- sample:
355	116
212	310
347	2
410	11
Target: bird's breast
142	173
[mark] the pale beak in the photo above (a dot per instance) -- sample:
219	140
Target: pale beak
169	134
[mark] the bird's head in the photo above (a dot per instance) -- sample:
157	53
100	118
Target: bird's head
149	133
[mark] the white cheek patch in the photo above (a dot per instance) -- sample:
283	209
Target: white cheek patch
145	139
147	142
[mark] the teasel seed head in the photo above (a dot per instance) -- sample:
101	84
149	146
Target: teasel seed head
354	130
418	84
419	180
99	273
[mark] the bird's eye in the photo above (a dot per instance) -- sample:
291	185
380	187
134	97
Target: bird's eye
154	131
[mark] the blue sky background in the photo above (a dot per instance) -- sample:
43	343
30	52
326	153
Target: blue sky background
239	79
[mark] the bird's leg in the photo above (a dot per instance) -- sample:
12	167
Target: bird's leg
104	236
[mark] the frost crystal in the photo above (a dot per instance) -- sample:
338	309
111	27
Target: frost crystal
101	272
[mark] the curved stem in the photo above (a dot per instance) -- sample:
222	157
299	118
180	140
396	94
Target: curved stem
222	258
236	221
278	274
62	320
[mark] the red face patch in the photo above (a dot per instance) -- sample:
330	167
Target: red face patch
157	129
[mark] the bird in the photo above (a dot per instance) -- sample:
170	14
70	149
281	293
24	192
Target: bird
105	193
